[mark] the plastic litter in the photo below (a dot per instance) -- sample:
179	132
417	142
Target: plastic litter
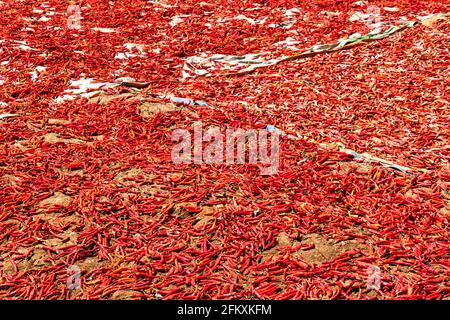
219	64
8	115
186	101
357	156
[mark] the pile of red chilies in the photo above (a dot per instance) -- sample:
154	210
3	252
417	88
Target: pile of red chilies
93	185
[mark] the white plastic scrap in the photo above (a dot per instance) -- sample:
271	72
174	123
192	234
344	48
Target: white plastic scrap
8	115
177	19
422	18
245	18
355	35
185	101
359	16
360	3
162	4
20	45
331	13
391	9
104	30
81	88
23	45
200	66
44	19
84	84
288	43
189	69
373	19
34	73
124	79
366	157
250	20
292	12
130	47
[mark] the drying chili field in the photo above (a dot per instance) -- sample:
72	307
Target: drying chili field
92	205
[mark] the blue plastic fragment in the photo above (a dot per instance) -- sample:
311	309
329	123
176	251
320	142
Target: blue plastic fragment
271	128
190	102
